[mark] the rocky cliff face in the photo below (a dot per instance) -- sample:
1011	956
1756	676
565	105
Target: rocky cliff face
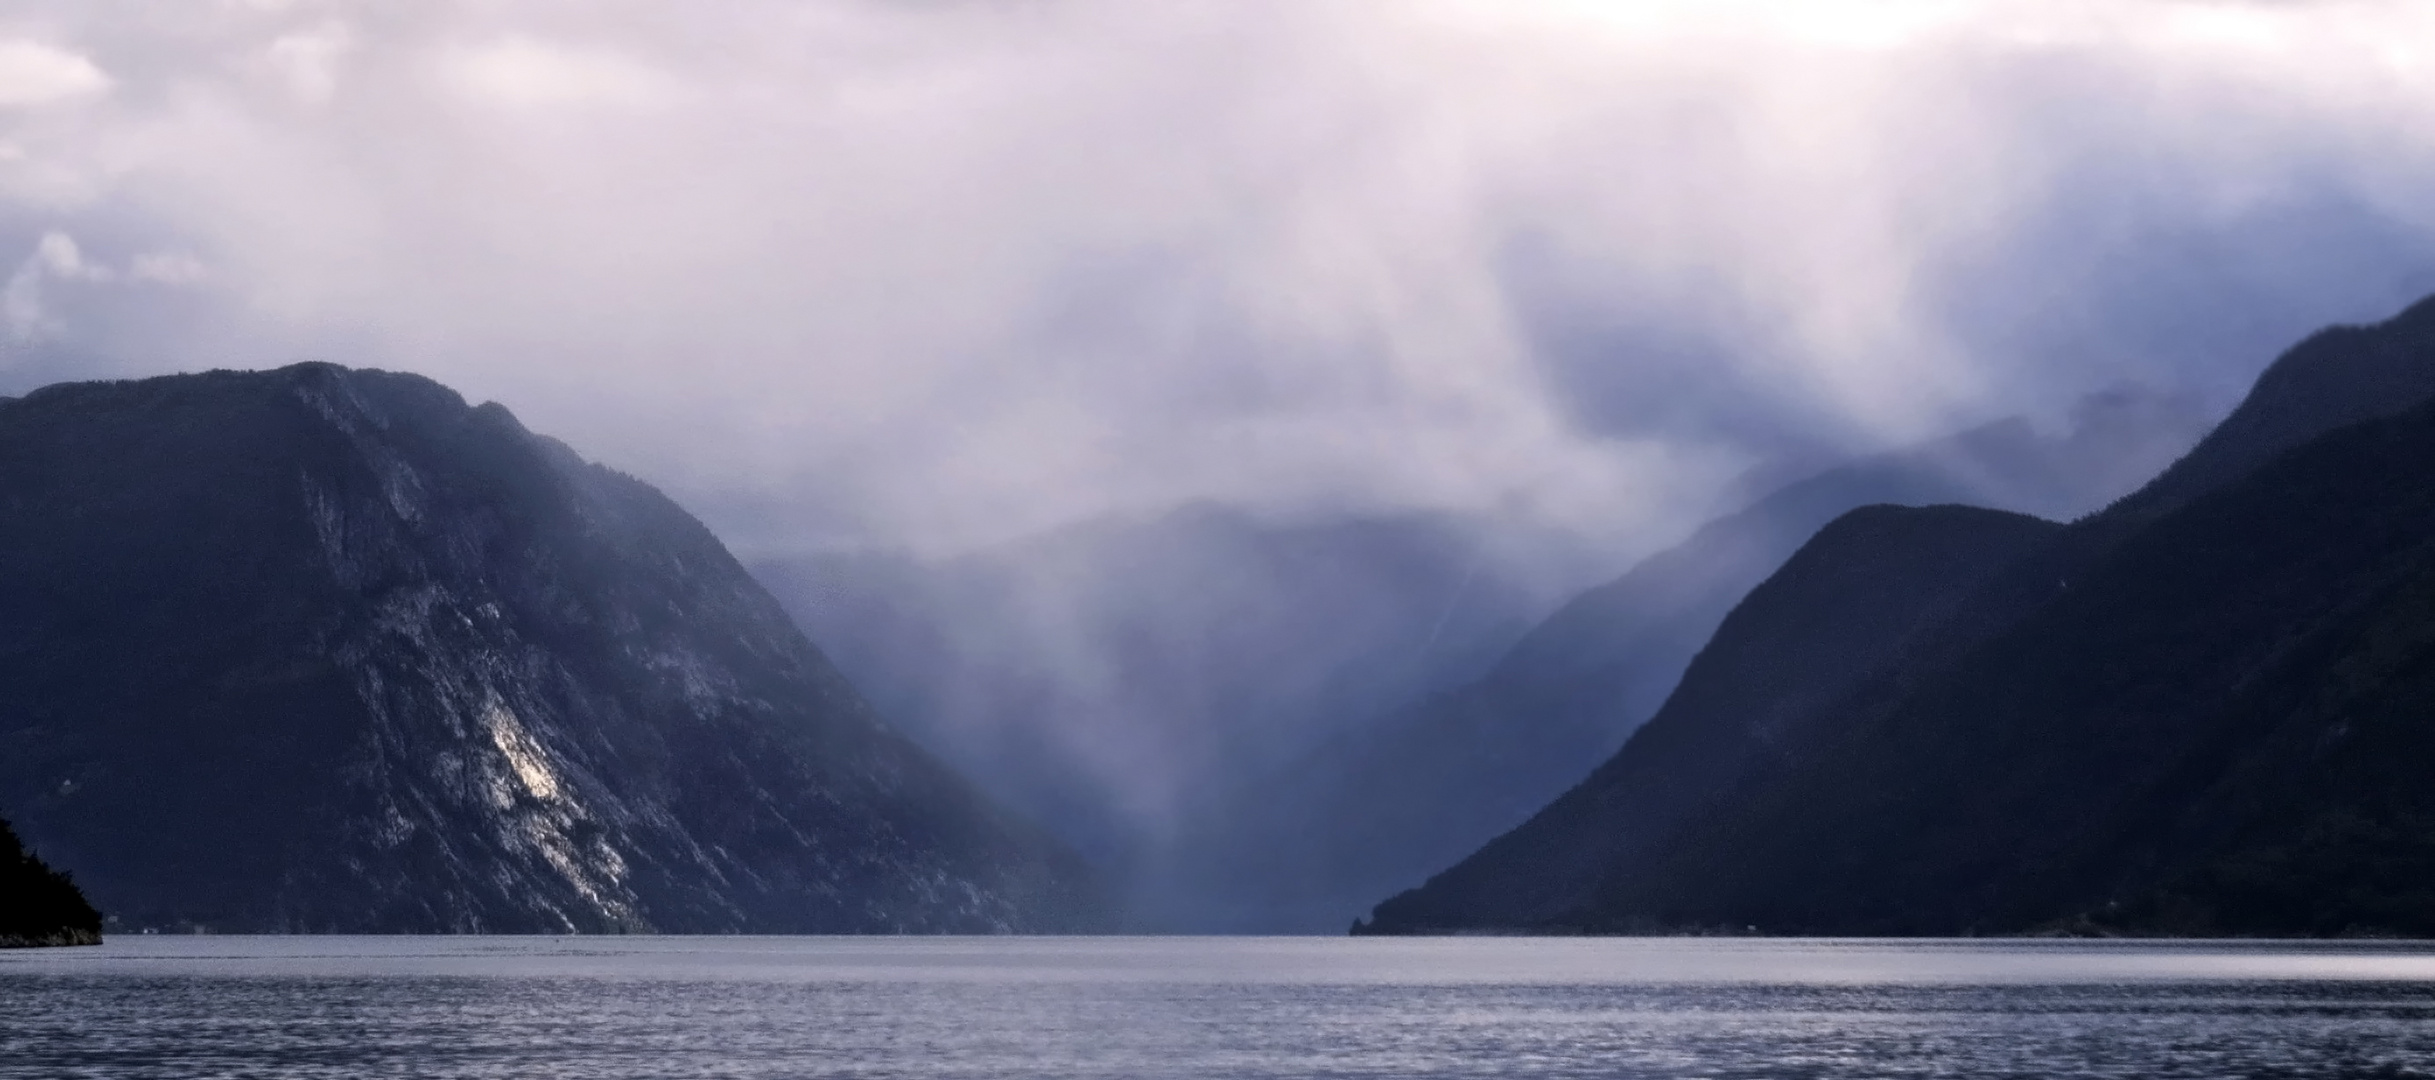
329	650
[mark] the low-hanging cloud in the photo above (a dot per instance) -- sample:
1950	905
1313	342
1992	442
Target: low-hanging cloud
857	271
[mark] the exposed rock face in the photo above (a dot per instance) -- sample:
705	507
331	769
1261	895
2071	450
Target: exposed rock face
328	650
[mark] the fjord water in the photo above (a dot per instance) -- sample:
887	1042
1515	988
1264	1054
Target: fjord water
671	1007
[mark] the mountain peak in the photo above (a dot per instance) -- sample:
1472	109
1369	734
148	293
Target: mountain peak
320	648
2336	377
2200	711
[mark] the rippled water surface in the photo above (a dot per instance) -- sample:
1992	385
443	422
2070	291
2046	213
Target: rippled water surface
1215	1007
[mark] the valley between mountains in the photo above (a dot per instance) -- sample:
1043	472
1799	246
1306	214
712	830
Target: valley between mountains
329	650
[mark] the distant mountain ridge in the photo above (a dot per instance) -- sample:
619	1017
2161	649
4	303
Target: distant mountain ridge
328	650
2201	711
1390	802
2339	376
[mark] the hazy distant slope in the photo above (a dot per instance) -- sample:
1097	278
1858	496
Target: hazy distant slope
1841	608
1108	675
1381	808
2202	711
319	649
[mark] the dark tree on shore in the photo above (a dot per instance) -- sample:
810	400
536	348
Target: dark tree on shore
39	905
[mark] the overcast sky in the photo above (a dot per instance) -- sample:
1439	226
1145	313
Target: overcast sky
942	271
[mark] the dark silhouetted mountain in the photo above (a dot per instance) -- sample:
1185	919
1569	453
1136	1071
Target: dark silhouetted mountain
329	650
2202	711
1841	608
2339	376
1380	808
39	905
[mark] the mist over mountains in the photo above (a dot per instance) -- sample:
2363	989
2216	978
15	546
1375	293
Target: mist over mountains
1109	676
1266	727
323	649
841	274
2198	712
1263	448
1406	793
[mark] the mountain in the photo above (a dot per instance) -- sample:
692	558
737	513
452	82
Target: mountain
1841	608
2197	712
1380	807
328	650
39	905
2338	376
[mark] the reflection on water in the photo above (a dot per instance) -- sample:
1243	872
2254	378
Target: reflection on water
1215	1007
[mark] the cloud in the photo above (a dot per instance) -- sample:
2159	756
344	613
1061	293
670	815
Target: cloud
33	73
526	73
308	60
55	258
851	271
